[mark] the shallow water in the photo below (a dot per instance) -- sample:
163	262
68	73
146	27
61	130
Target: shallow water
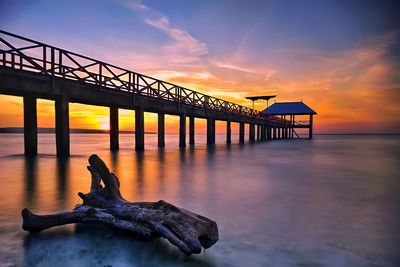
332	201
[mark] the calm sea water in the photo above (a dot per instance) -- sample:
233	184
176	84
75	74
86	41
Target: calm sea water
332	201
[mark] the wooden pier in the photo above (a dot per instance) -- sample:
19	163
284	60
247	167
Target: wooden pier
36	70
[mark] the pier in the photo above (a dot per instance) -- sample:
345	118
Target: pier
34	70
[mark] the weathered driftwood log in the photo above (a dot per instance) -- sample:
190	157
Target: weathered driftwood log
104	204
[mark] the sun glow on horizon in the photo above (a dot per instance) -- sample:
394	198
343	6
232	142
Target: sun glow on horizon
104	123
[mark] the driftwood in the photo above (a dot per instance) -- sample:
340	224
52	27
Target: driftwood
104	204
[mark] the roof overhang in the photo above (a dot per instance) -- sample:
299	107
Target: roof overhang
261	97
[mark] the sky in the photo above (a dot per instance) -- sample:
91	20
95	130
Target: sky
342	58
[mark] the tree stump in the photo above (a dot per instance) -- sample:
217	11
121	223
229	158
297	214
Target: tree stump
104	204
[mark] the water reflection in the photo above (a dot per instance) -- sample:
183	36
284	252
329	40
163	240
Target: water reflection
161	170
30	181
328	202
62	167
114	161
140	170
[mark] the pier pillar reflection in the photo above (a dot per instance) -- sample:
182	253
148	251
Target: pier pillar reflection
30	126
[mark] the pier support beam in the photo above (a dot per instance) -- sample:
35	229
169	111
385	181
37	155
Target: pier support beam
139	129
228	132
241	132
291	127
114	128
258	132
274	132
210	131
62	126
269	133
310	129
279	132
30	126
191	130
182	130
251	132
263	132
161	129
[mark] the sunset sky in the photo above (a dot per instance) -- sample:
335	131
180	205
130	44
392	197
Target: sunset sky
342	58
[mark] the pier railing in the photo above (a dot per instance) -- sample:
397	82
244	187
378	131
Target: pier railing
21	53
301	123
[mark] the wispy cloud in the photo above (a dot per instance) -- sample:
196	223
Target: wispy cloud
266	73
134	4
182	41
234	67
172	75
181	50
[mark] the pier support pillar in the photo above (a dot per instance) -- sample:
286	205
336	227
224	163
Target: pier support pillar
279	132
228	132
291	127
182	130
30	126
268	133
251	132
139	129
210	131
191	130
258	132
274	132
263	132
241	132
161	129
310	129
114	128
62	126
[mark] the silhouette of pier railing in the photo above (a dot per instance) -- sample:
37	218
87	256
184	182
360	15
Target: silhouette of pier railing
21	53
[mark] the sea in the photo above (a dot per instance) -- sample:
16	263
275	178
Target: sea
330	201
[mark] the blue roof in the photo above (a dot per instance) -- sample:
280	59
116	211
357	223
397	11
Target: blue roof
288	108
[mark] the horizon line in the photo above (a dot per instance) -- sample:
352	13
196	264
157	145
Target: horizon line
100	131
